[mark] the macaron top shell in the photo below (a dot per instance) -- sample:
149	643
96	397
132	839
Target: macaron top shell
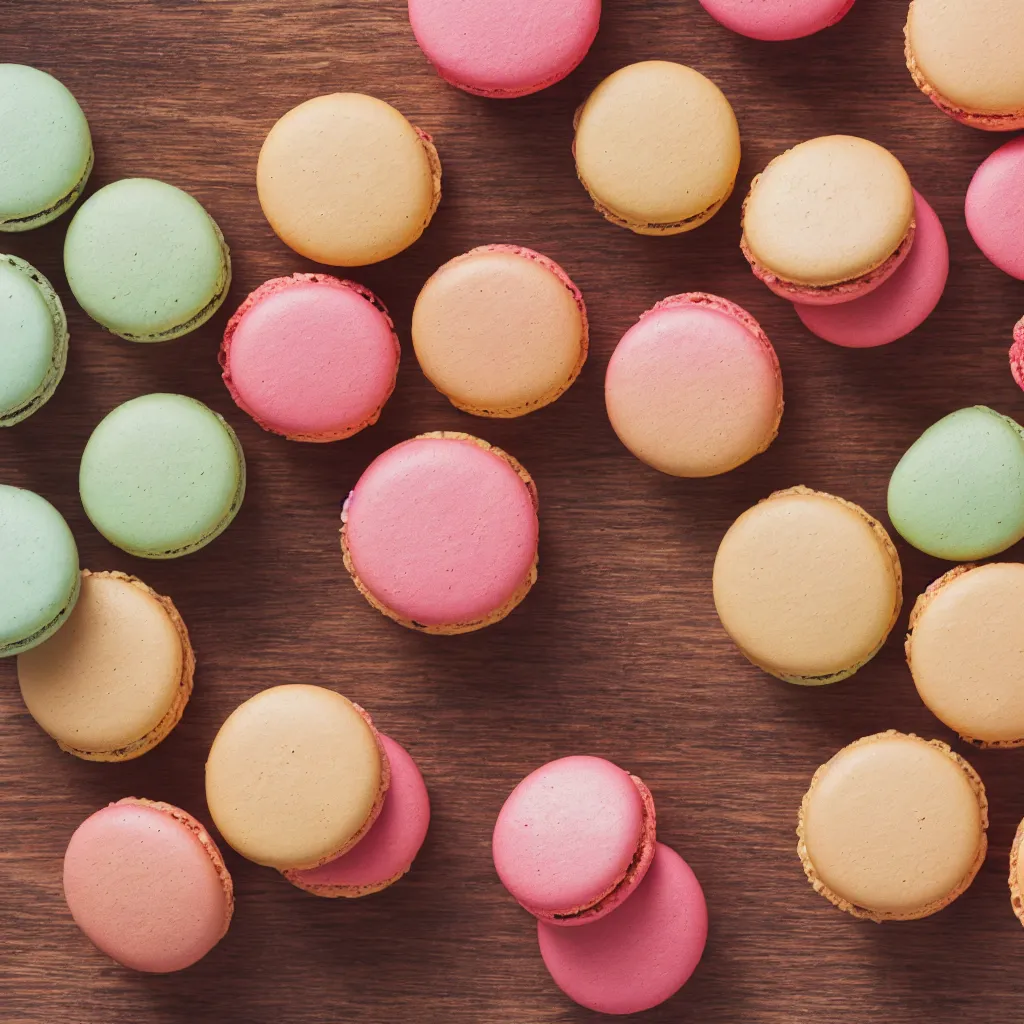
994	208
145	260
346	180
828	211
295	776
39	569
504	50
773	20
657	146
694	388
47	150
893	826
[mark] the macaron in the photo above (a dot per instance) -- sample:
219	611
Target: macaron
964	55
773	20
296	776
694	387
504	50
897	306
147	885
500	331
1017	353
346	180
39	569
893	827
829	220
657	147
574	840
162	476
146	261
1017	874
47	153
808	586
958	491
994	208
386	853
641	955
311	357
440	533
33	340
115	679
964	651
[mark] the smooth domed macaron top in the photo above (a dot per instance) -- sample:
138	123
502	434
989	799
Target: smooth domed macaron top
39	569
958	491
828	211
504	50
147	885
657	144
145	260
968	51
694	388
894	825
500	330
774	20
295	776
29	338
47	149
346	180
994	208
807	585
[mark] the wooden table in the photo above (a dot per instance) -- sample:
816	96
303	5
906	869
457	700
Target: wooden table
618	650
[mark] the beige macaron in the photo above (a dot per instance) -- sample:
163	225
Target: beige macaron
1017	874
965	56
657	147
808	586
828	220
296	776
113	681
500	331
893	827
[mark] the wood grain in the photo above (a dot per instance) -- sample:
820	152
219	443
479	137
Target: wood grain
616	652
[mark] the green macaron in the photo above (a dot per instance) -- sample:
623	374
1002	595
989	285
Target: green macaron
162	476
45	148
33	340
146	261
38	567
958	492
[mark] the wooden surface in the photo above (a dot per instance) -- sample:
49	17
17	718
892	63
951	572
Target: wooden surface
617	652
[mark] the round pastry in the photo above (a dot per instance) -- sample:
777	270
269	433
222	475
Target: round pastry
1017	874
1017	353
994	208
773	20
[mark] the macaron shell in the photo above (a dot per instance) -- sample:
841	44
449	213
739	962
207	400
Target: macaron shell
387	851
147	885
995	208
776	20
897	306
504	50
694	388
1017	874
642	954
1017	354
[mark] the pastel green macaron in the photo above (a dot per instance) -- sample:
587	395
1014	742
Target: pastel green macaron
958	492
146	261
162	476
33	340
38	567
45	148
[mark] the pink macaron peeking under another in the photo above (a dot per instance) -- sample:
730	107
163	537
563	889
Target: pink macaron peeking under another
776	20
994	208
1017	354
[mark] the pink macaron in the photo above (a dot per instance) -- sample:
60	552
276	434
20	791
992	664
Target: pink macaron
899	305
774	20
387	851
504	48
574	840
1017	354
146	883
311	357
642	954
995	208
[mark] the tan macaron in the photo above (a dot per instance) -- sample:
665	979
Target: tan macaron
1017	874
346	180
296	776
893	827
965	56
115	679
657	147
828	220
808	586
500	331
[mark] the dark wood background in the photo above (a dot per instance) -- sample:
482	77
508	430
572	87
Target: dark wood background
618	650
